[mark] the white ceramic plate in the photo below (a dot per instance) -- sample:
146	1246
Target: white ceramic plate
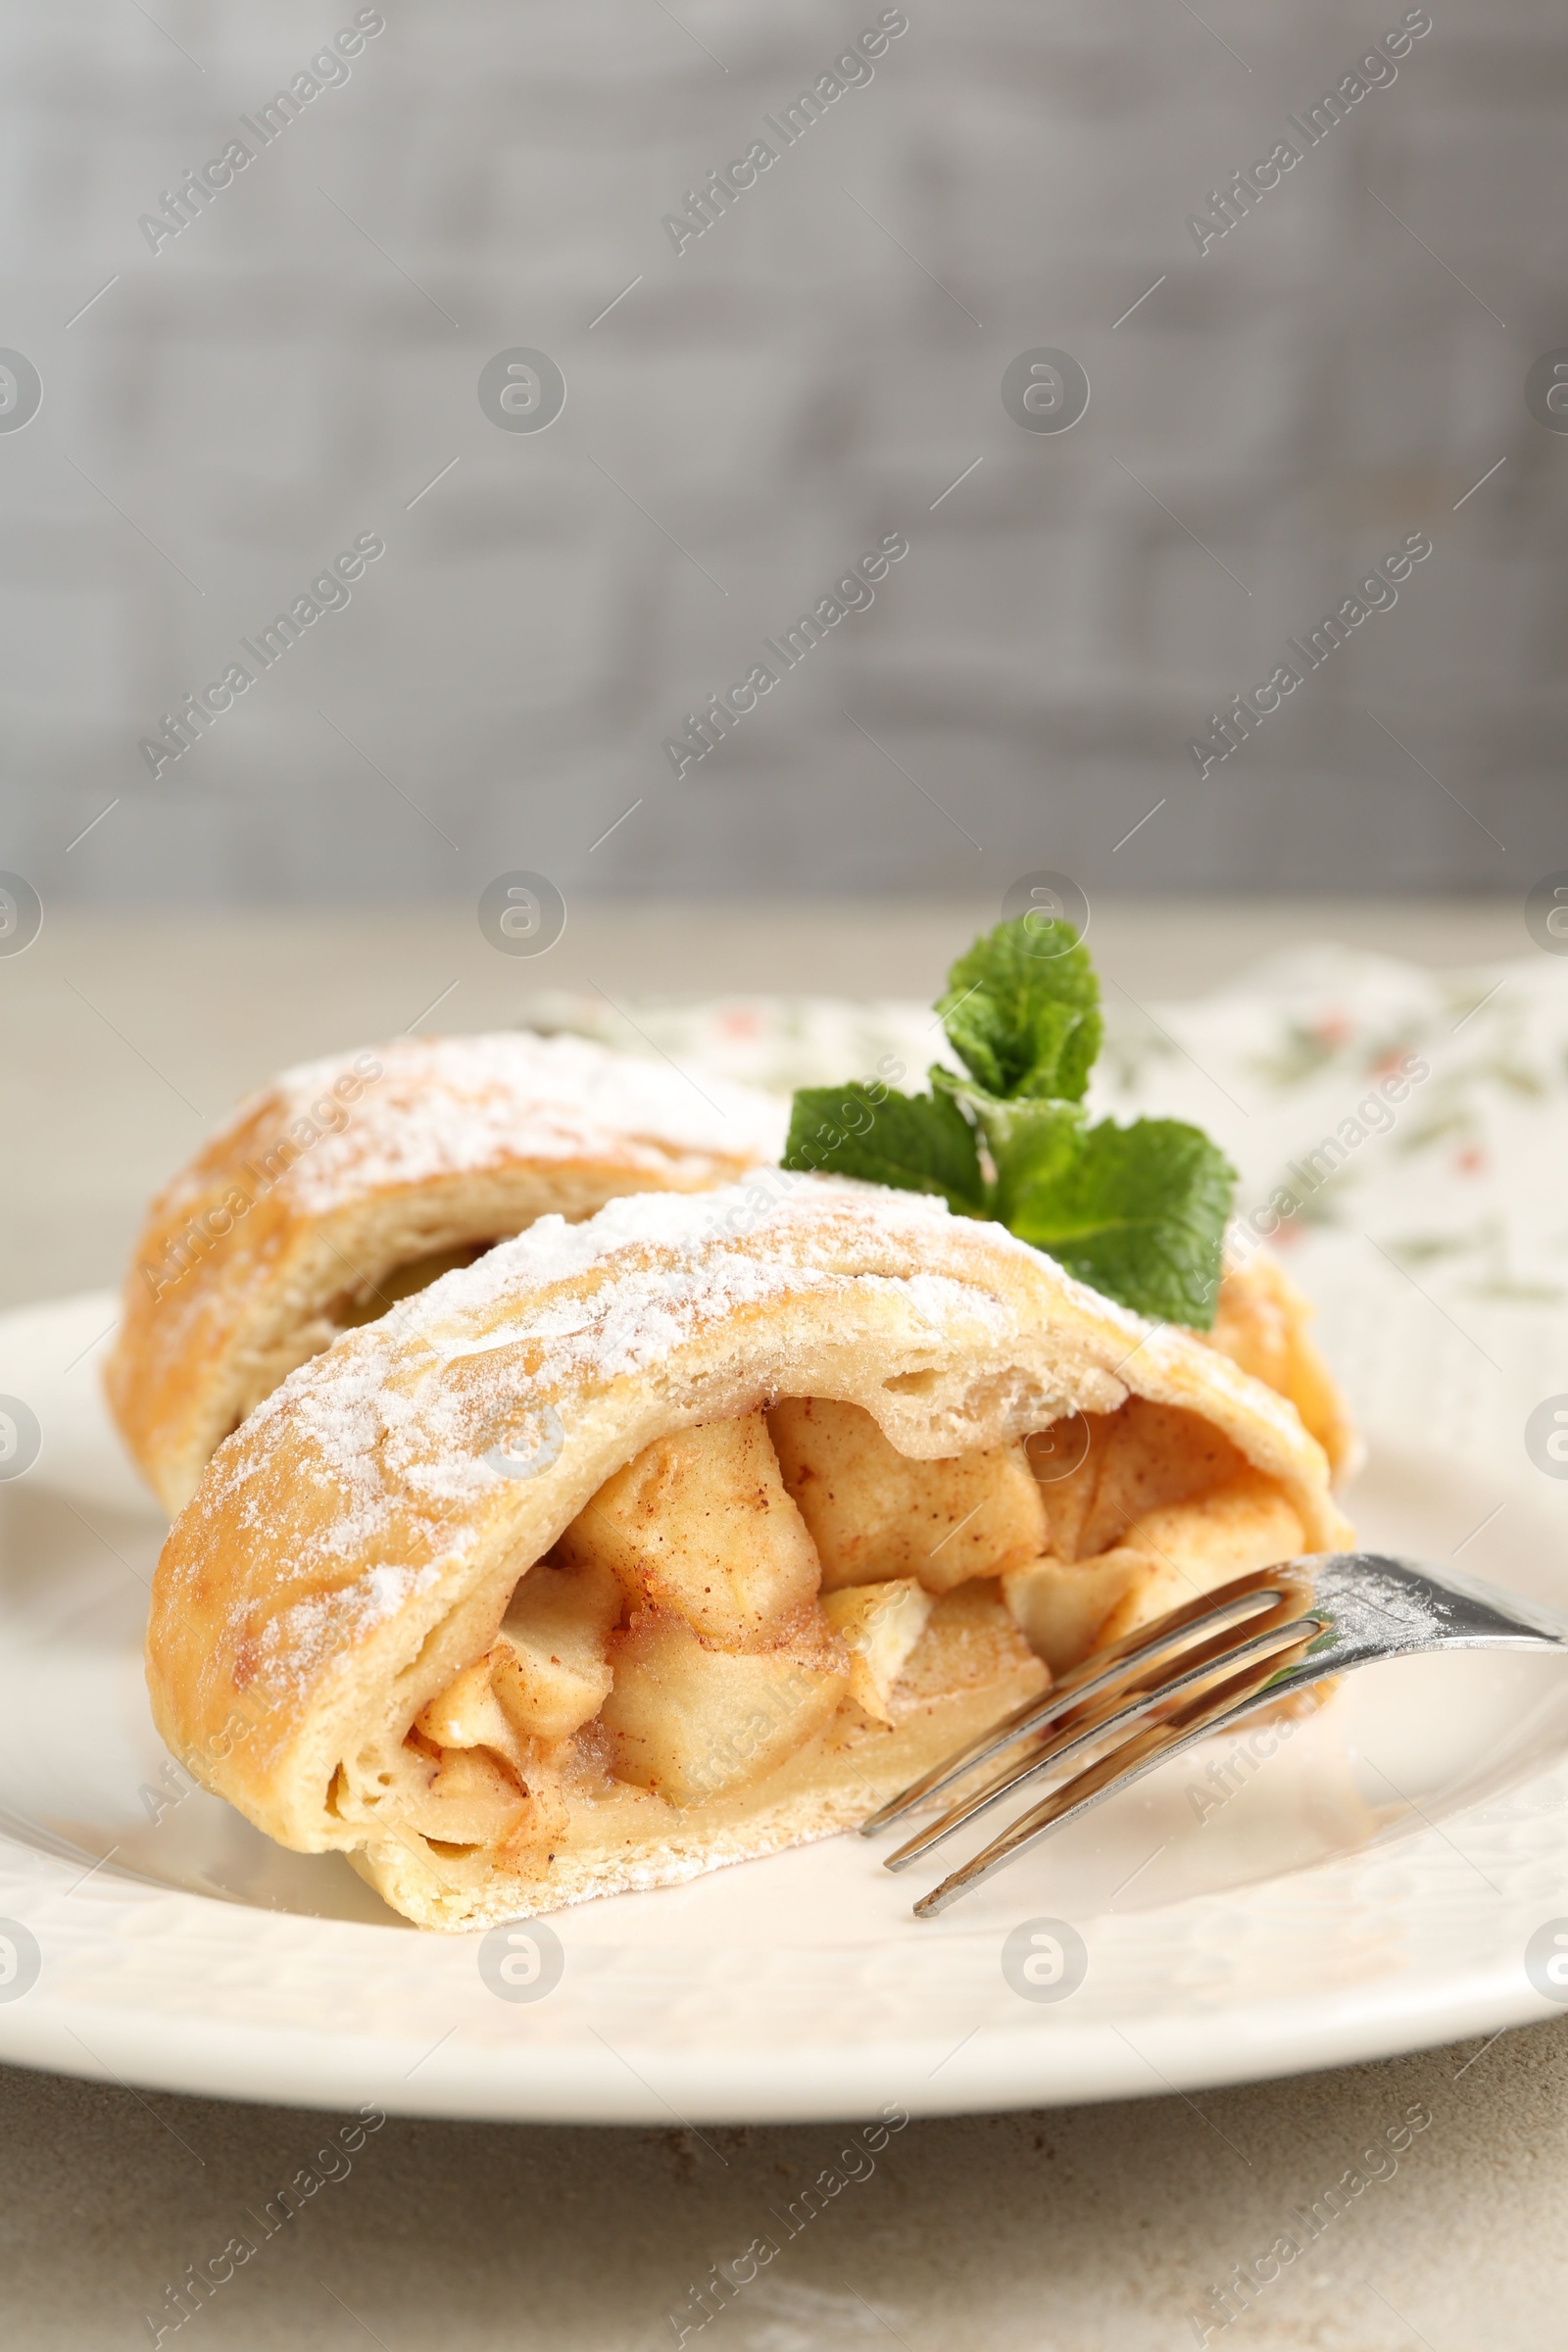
1369	1888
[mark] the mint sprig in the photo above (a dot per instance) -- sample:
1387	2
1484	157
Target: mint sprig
1022	1011
1138	1211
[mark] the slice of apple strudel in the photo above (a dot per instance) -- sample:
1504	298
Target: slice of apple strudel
351	1183
695	1531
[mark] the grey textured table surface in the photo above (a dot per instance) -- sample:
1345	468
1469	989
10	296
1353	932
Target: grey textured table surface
1084	2227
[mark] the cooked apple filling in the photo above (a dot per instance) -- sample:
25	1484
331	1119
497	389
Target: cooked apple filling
750	1597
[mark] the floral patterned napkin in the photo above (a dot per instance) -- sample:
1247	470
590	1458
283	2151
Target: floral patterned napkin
1400	1136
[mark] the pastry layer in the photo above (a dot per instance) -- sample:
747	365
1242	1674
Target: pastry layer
351	1183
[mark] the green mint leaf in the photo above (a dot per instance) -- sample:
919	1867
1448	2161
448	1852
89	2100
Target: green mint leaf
1022	1010
1027	1140
1138	1211
1034	1149
914	1143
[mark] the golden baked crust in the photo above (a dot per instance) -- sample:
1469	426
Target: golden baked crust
1262	1322
350	1181
353	1547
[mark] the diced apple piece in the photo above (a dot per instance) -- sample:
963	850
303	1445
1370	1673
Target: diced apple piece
879	1625
1155	1454
876	1514
689	1721
1068	1491
1139	1459
970	1646
546	1818
1171	1556
548	1670
470	1800
700	1525
468	1714
1243	1525
1061	1608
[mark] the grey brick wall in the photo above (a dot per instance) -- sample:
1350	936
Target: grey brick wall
809	374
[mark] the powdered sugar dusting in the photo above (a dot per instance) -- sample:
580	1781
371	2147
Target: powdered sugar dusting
425	1108
301	1638
646	1273
944	1301
641	1278
633	1319
769	1203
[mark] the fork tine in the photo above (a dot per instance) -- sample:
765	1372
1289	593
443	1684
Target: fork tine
1136	1756
1278	1638
1116	1663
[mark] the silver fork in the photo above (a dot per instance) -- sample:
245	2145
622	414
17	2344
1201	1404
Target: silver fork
1266	1637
